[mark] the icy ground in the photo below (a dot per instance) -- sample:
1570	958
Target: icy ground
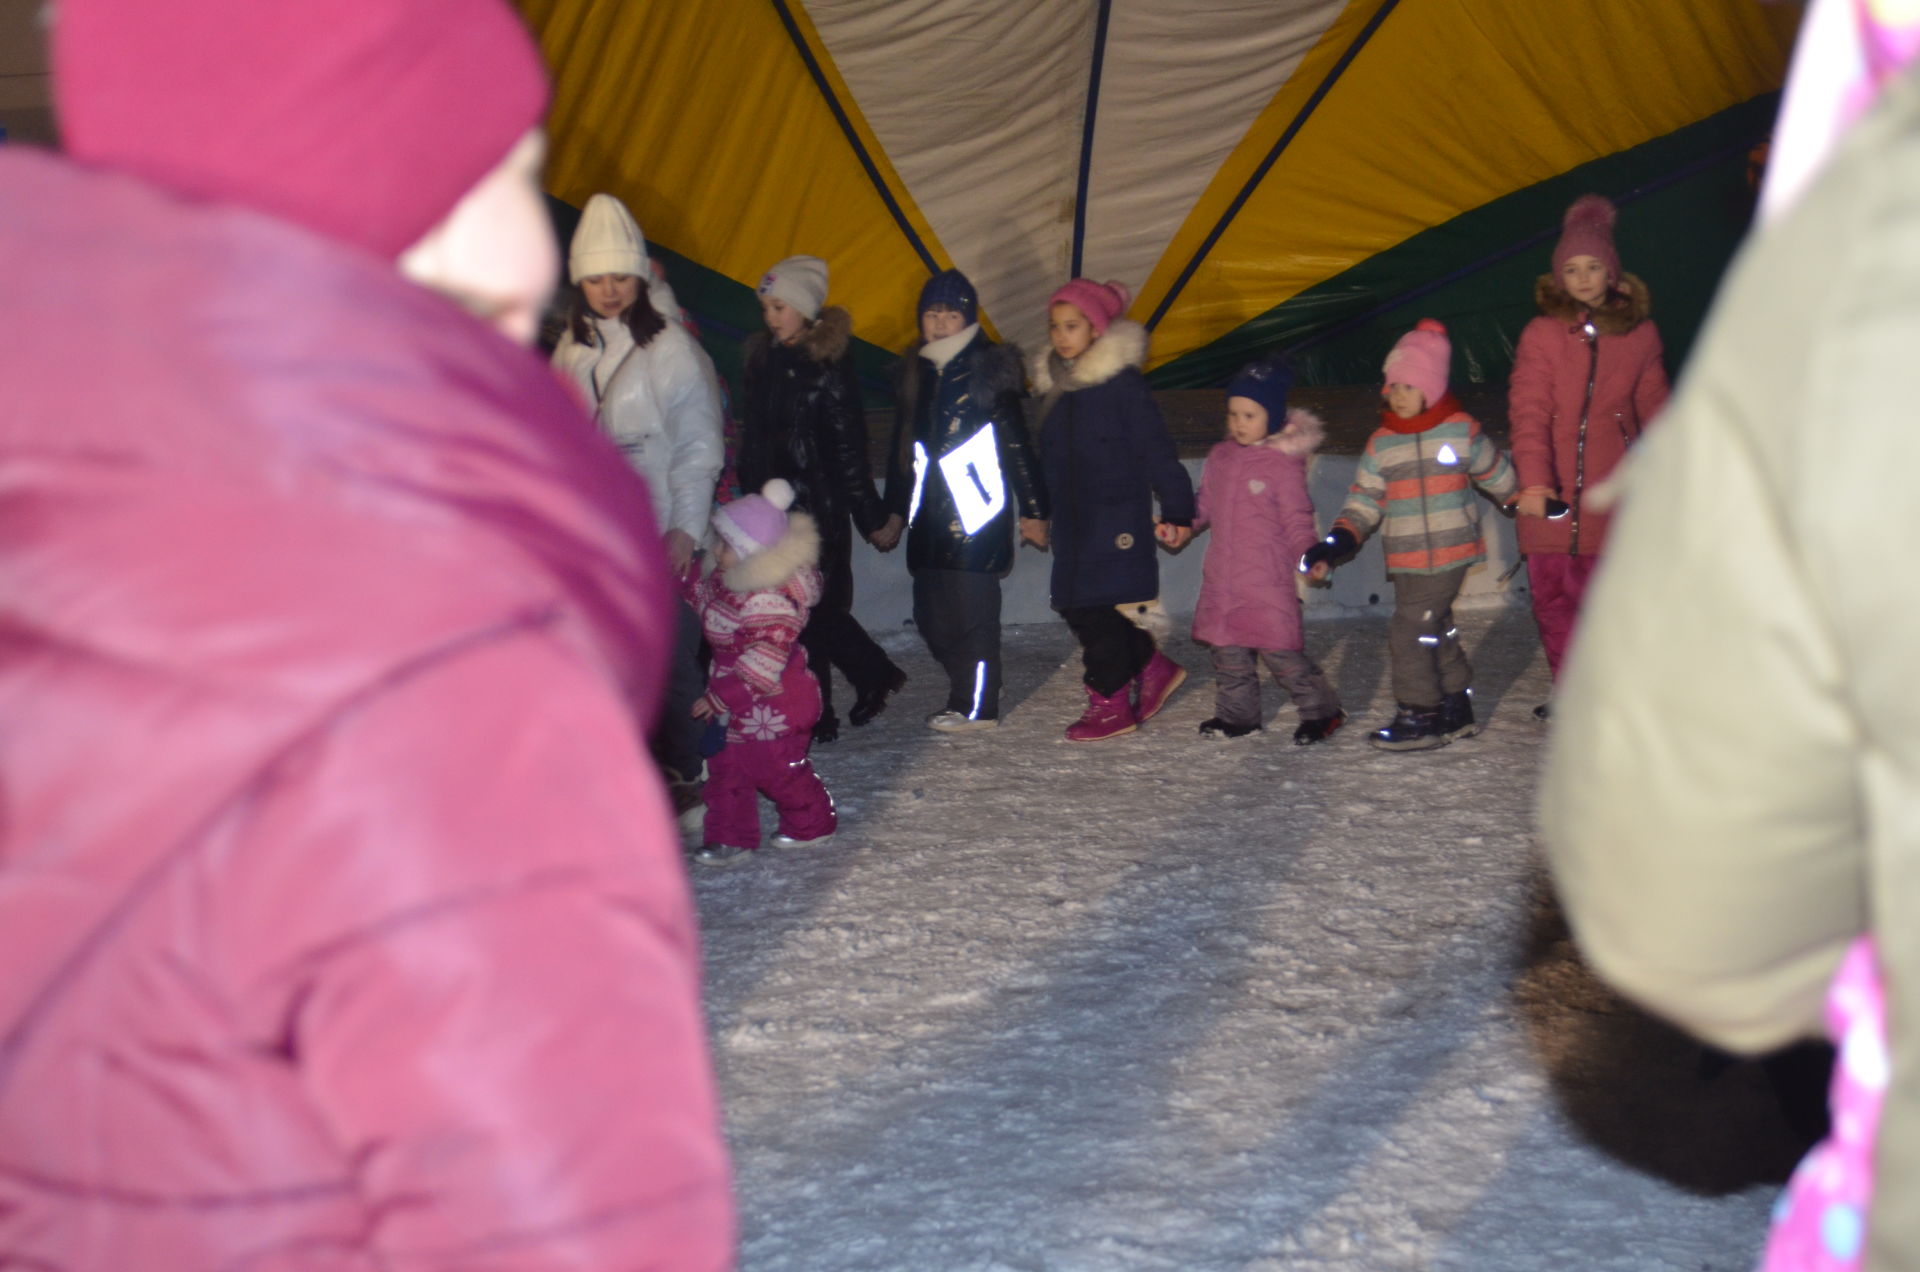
1165	1002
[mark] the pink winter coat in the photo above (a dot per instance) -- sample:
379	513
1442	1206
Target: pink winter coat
1548	390
341	913
1254	498
752	616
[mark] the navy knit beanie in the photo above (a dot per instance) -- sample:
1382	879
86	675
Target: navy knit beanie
1267	383
950	288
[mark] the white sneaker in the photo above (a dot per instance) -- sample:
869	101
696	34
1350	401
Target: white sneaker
955	722
788	841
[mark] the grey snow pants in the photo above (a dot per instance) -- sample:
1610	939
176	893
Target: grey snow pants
1422	641
1236	683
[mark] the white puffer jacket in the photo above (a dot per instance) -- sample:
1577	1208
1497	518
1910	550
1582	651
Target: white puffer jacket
661	407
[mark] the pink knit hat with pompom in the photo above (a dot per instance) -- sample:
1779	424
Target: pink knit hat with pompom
1100	302
1587	230
756	522
1422	358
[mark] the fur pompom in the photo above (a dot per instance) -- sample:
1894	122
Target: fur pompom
779	493
1123	291
1591	212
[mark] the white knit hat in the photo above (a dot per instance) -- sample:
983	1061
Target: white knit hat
607	241
801	281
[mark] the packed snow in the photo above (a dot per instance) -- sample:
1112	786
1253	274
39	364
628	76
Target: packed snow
1170	1002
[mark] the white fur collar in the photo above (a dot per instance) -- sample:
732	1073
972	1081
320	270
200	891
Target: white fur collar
772	567
947	348
1124	345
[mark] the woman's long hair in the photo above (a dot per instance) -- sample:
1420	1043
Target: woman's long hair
642	319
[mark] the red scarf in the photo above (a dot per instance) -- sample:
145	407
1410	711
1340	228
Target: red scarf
1445	409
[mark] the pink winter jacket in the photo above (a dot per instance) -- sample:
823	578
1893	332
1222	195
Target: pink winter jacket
1544	400
1254	498
341	915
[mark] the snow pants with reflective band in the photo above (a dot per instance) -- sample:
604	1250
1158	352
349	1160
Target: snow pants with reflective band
777	768
1236	683
958	614
1422	643
1557	582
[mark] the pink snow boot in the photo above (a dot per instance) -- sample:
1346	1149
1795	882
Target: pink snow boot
1157	681
1107	716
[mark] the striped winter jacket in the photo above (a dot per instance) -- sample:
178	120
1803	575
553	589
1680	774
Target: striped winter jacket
1416	480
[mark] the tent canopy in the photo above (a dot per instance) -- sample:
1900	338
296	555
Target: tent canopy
1306	175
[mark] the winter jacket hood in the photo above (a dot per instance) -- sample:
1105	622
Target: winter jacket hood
319	772
826	339
1123	347
1629	305
1300	436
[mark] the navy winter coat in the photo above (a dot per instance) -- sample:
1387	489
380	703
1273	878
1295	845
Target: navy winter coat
1106	455
942	410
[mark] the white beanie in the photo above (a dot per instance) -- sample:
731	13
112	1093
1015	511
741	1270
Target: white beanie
607	241
801	281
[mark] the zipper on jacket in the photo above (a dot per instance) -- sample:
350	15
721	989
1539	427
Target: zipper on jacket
1592	335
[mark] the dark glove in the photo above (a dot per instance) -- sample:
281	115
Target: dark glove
1335	548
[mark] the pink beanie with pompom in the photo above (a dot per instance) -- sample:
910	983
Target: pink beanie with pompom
1422	358
1587	230
756	522
1100	302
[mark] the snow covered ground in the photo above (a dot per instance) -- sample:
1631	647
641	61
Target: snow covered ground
1166	1002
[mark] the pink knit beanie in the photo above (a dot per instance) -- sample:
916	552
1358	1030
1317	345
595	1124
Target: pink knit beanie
1422	358
1587	230
1100	302
363	120
756	522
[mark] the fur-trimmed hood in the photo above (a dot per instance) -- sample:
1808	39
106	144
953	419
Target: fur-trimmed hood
797	551
1302	435
825	340
1124	345
1630	304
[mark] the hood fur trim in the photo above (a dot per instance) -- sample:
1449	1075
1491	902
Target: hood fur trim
1628	307
827	340
771	567
1124	345
1302	435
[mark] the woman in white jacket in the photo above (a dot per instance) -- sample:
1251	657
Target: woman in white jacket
654	393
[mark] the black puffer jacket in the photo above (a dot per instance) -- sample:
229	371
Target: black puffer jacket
804	422
942	412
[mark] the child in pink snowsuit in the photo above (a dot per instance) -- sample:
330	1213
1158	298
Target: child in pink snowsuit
1820	1221
752	604
1253	496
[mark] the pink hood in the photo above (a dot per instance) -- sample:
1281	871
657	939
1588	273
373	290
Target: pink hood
342	914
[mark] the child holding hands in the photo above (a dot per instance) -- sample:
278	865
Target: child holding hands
1415	485
1106	454
753	602
1253	496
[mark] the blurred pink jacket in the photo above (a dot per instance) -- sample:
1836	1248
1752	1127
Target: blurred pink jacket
1255	500
341	915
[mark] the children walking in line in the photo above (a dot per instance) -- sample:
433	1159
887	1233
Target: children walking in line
753	602
1587	378
1106	455
960	472
1253	497
1415	485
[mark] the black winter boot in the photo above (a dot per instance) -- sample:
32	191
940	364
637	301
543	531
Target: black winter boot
1215	727
1310	731
1456	715
1411	729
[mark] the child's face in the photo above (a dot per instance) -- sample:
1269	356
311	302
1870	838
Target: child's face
610	295
1246	420
1405	401
1069	330
784	322
941	321
1585	279
724	555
